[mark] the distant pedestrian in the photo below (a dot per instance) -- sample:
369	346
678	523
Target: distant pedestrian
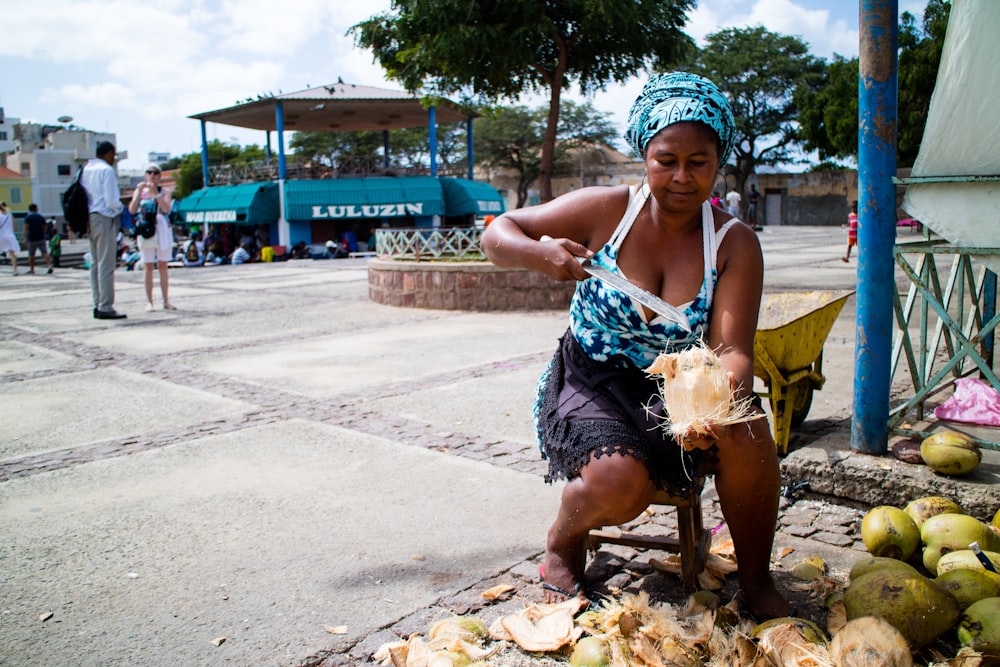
752	200
104	201
157	251
852	231
733	200
35	227
716	200
8	240
55	244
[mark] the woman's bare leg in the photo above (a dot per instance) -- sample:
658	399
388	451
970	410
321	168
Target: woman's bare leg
147	268
748	481
165	284
609	491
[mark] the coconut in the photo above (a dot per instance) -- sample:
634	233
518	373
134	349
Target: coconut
922	509
890	532
866	565
966	559
697	393
870	641
590	652
951	453
809	568
792	641
945	533
969	586
979	626
913	604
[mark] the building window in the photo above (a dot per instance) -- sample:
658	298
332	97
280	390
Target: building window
3	136
15	195
63	169
26	169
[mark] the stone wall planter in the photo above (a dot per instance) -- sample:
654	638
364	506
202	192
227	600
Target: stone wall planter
476	286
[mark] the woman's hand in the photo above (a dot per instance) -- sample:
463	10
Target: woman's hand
562	258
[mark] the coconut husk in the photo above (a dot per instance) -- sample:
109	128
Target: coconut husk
697	394
540	627
791	643
870	642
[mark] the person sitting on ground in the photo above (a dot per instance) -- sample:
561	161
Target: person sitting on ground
193	253
598	416
241	255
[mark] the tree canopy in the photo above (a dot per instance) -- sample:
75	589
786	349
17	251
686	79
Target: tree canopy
510	138
759	71
829	111
494	49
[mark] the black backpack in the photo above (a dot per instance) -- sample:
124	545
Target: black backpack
191	254
76	210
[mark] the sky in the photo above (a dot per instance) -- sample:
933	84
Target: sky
140	69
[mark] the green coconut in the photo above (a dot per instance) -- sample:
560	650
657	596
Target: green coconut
890	532
979	626
590	652
969	586
951	453
913	604
875	563
945	533
922	509
966	559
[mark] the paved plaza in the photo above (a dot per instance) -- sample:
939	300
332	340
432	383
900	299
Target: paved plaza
284	464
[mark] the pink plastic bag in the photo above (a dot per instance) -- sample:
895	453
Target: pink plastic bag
974	402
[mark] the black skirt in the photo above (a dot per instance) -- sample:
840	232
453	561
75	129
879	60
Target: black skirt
586	407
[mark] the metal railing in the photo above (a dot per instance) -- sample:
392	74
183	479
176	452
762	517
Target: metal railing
430	243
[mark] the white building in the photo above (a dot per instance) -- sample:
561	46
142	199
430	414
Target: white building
49	155
7	133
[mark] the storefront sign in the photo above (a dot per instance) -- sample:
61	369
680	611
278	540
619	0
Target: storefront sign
367	211
210	216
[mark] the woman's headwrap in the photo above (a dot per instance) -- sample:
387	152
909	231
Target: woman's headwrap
676	97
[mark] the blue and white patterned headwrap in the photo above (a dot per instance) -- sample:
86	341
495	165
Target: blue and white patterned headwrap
676	97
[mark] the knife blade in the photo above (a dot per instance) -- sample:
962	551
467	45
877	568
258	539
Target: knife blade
648	299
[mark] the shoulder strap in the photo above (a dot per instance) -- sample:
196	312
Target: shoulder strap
637	199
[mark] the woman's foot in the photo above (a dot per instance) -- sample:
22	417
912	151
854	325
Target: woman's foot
149	307
169	306
764	601
561	573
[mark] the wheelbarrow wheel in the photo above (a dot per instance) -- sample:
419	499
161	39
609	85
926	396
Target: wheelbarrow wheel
803	401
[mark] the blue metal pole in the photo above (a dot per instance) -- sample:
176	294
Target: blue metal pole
468	146
877	94
204	156
279	121
432	146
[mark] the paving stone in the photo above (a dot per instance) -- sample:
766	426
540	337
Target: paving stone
835	539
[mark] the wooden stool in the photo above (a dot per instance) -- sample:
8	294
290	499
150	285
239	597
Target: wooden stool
692	539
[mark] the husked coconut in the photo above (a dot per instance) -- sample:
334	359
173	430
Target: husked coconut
696	392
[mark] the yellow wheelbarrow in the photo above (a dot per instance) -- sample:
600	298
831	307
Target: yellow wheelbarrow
788	352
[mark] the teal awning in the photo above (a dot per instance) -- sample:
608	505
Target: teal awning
464	197
244	204
373	198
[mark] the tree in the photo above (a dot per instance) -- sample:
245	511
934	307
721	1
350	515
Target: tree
494	49
759	70
189	177
919	57
829	113
510	138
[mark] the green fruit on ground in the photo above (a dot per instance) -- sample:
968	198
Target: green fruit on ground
590	652
979	626
951	453
913	604
805	628
996	520
945	533
965	559
866	565
890	532
970	586
809	568
870	641
922	509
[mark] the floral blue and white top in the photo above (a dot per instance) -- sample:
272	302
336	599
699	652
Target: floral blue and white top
607	323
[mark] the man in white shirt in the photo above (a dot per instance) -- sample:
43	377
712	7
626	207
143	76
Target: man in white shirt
733	199
100	181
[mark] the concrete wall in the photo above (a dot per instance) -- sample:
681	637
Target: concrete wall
476	286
